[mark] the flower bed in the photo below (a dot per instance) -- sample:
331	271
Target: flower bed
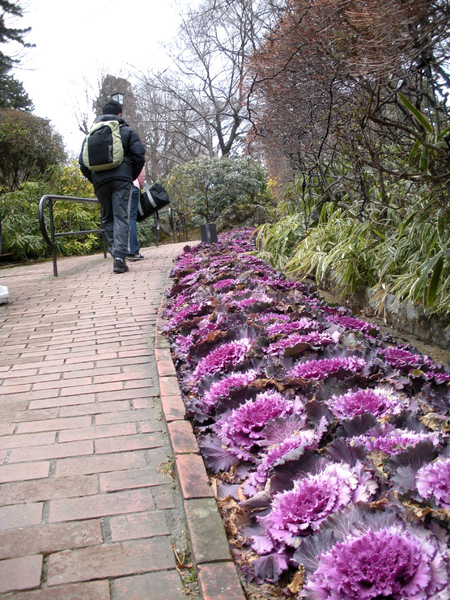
327	443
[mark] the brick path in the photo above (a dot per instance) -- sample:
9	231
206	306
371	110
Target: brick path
90	413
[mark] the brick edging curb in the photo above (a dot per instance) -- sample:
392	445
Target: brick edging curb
216	571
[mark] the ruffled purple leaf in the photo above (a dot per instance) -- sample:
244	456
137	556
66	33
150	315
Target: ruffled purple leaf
327	367
379	402
270	567
340	451
404	479
389	563
217	457
392	441
353	324
220	390
296	343
433	482
291	448
223	358
243	428
303	325
313	498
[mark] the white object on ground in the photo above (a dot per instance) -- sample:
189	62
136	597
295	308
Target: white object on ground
3	294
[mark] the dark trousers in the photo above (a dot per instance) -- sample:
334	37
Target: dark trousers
134	242
114	197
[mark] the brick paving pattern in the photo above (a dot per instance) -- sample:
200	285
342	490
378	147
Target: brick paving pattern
90	414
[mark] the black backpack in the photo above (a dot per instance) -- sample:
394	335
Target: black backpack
152	199
103	147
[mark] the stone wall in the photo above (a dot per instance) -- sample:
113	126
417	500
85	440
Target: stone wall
404	316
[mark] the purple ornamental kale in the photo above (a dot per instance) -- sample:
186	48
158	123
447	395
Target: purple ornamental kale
313	339
280	283
389	563
190	280
273	316
327	367
244	427
439	377
185	262
403	359
261	299
186	314
304	325
352	324
221	389
307	439
303	509
223	358
223	284
380	403
173	304
433	482
183	344
385	438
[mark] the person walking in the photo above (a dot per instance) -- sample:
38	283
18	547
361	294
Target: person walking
112	186
133	242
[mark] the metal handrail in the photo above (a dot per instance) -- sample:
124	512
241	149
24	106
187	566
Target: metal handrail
175	224
177	221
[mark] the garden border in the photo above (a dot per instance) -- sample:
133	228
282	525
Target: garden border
211	554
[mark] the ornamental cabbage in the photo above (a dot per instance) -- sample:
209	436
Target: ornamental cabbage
243	428
386	438
303	509
326	367
223	358
391	563
221	389
379	402
433	481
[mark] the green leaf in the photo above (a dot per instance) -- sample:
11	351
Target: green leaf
424	160
421	118
434	283
443	134
419	284
415	150
442	225
379	234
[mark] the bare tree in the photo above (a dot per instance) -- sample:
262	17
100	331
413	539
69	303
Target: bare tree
325	89
205	89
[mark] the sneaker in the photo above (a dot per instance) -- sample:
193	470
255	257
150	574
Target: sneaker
120	266
135	257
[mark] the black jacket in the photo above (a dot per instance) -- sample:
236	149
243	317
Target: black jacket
134	156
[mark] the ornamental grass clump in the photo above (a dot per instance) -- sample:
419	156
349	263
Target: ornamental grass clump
327	444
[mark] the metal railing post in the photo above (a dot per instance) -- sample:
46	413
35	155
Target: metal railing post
171	223
52	237
156	228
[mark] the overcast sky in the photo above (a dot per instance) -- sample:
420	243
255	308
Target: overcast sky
77	41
